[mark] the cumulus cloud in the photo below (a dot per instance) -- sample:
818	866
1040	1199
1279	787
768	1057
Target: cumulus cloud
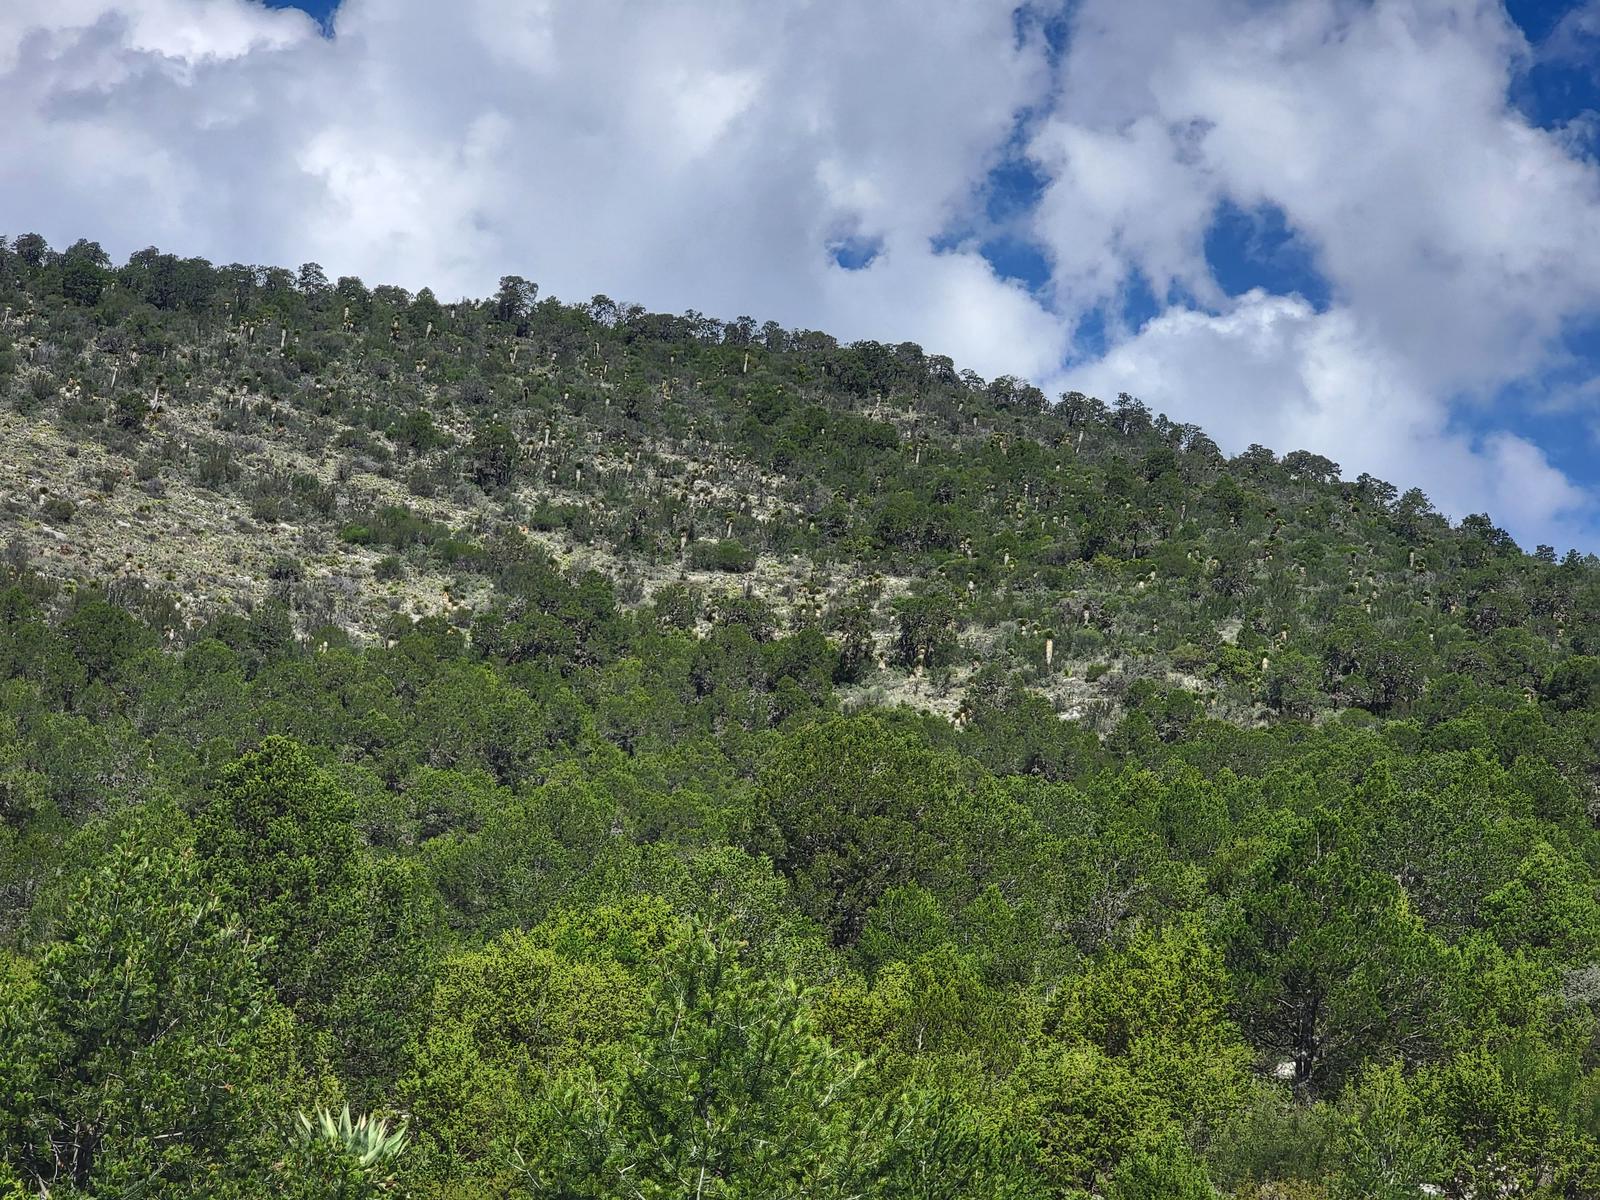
1457	240
181	31
710	156
685	155
1573	38
1121	200
1272	370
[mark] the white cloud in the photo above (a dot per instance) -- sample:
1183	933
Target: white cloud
1574	36
1442	217
691	155
183	31
1273	371
705	155
957	302
1120	200
1458	241
1527	493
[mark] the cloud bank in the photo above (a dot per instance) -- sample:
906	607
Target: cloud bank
710	156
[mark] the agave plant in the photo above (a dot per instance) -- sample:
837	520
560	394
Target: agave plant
365	1139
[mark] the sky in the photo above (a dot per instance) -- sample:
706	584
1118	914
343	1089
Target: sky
1366	228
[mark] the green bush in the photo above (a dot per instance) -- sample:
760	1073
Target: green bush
729	556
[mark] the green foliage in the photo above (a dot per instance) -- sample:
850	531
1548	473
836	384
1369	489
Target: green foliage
367	1140
340	1157
395	526
1329	963
135	1055
728	1090
1080	812
1388	1140
1165	1172
860	807
493	453
504	1022
927	631
1575	684
727	555
277	836
345	942
84	273
1161	1004
1291	684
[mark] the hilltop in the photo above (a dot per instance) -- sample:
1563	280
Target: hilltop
235	437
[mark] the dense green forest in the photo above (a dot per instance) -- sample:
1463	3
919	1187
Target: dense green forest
524	749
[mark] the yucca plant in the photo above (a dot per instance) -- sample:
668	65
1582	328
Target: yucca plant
366	1140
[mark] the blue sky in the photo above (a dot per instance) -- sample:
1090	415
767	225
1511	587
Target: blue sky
320	10
1370	228
1563	87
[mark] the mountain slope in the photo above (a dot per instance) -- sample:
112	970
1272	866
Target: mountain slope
646	755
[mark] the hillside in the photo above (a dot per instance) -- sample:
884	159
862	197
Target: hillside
649	755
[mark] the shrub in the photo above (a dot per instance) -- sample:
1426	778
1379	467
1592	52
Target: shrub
725	555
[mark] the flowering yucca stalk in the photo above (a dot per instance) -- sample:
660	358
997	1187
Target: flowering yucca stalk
366	1139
